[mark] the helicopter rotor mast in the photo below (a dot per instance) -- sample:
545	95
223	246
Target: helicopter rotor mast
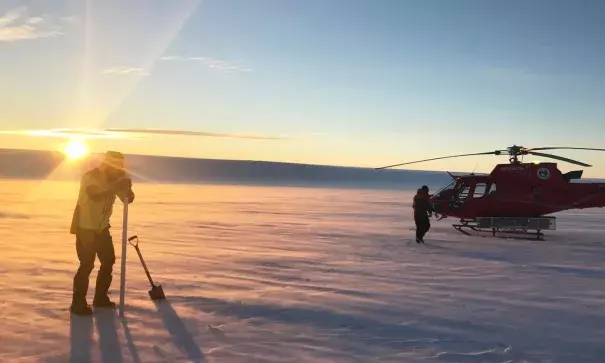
514	152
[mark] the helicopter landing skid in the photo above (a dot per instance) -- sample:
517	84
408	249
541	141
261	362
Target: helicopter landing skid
525	226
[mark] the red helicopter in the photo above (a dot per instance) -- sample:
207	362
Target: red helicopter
515	197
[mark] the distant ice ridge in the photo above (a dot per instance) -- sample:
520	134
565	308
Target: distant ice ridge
26	164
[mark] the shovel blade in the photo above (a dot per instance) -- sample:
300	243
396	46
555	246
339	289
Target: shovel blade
157	293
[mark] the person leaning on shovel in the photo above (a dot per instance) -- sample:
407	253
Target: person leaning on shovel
90	224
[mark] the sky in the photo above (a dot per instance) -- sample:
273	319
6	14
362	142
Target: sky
339	82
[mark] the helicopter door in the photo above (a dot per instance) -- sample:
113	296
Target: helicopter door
461	192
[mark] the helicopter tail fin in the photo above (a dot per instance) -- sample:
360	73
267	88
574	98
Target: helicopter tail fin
576	174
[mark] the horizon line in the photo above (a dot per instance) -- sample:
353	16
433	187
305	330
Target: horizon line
62	155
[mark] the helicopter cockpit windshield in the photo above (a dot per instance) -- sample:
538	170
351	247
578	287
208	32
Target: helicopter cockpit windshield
439	194
455	190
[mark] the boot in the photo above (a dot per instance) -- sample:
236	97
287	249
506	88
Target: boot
81	309
103	301
80	306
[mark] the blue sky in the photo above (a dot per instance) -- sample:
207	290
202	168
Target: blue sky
364	83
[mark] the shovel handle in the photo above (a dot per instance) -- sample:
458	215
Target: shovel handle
132	239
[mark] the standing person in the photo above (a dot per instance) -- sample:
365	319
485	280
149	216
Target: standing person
90	224
422	211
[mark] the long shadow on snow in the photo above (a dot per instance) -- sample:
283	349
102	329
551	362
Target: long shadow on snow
109	345
181	337
130	342
81	339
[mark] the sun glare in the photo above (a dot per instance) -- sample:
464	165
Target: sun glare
75	149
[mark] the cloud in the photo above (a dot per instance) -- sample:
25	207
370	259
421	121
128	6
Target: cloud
192	133
126	71
16	25
220	65
116	133
67	133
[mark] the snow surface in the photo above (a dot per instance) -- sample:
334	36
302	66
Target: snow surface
267	274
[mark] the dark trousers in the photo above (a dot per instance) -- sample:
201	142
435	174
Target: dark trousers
423	224
89	246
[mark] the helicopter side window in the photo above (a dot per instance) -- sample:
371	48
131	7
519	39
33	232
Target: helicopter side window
480	190
491	189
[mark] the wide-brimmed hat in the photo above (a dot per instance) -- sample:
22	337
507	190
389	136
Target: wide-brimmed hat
114	159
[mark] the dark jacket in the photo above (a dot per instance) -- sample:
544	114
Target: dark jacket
422	206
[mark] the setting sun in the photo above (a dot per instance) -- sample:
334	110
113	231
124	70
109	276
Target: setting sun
75	149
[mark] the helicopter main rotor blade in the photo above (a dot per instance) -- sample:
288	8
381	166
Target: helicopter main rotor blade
443	157
559	158
563	148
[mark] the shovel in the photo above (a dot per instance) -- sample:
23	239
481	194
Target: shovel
156	292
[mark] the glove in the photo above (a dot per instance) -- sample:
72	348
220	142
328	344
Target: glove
129	196
123	184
